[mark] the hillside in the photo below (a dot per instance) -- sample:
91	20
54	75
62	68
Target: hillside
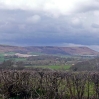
63	50
7	48
49	50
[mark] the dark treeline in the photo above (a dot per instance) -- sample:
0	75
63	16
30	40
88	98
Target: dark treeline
88	65
9	64
48	84
41	60
47	60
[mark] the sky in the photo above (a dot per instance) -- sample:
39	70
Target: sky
50	23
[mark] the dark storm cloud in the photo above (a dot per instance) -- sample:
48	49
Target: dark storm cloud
46	31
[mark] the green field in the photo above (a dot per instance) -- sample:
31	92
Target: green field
1	57
19	59
55	67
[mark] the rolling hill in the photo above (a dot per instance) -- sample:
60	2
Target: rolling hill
49	50
63	50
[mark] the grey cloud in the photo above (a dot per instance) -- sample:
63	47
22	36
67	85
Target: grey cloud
95	25
87	6
78	25
47	31
34	19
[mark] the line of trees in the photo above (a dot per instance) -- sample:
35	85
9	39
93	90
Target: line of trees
46	60
48	84
88	65
9	64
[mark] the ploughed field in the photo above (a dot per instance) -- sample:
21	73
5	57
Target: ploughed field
48	84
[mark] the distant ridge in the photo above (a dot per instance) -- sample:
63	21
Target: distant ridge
49	50
63	50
